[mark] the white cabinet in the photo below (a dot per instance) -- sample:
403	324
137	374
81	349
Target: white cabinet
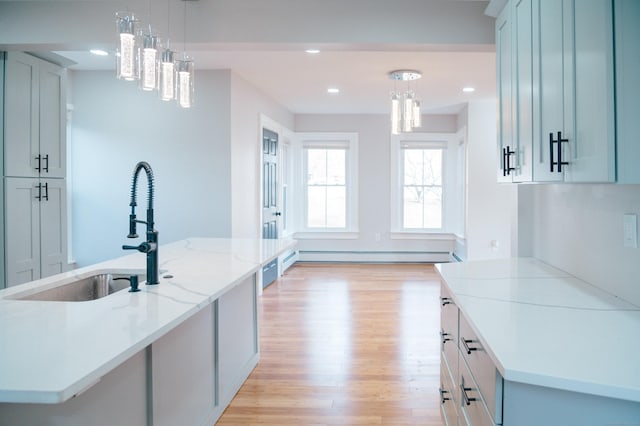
470	385
555	68
515	103
36	231
574	97
34	129
35	117
627	34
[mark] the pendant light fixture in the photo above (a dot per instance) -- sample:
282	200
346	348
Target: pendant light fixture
407	117
149	61
126	63
184	70
167	85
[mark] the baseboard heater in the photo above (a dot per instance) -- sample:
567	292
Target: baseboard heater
375	256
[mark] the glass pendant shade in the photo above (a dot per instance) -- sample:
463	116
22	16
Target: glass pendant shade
149	62
126	63
395	113
167	86
417	114
407	112
184	82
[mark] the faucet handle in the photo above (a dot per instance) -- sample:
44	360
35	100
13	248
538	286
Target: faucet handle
132	226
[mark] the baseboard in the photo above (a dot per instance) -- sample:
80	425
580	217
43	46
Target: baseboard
374	256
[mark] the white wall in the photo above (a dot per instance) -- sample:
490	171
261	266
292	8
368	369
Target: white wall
247	103
489	204
578	228
374	183
114	126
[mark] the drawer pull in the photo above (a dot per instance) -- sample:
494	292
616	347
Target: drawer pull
444	337
467	399
445	301
465	343
444	398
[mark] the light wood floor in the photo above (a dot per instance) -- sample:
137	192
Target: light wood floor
345	345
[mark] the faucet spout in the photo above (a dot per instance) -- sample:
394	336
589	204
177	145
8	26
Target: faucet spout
150	247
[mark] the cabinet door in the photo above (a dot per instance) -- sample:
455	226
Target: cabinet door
22	237
52	121
504	86
21	114
592	149
522	159
627	34
53	227
548	75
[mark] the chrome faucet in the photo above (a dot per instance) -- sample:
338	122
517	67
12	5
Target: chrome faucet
150	247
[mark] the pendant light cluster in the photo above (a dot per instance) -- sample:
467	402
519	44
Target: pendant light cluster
405	107
141	57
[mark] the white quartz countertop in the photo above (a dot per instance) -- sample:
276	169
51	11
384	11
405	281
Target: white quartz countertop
51	351
542	326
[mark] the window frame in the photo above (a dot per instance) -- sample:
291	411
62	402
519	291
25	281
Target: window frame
444	141
348	142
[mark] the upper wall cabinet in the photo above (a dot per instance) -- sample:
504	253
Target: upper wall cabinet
35	111
627	36
562	90
515	132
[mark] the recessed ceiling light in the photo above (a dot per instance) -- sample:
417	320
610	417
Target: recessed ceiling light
469	89
99	52
312	51
333	90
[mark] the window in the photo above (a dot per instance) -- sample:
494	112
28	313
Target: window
422	184
326	187
328	179
422	188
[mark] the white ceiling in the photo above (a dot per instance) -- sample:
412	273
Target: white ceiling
299	80
263	41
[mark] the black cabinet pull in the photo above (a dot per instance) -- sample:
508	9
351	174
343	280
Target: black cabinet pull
39	196
39	166
504	162
558	162
443	398
467	399
445	301
508	154
46	166
46	192
444	337
465	343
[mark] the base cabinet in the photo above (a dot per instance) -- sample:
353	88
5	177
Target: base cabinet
479	396
36	231
186	377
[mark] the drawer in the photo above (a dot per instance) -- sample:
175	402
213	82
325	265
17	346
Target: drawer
449	330
482	369
448	396
474	410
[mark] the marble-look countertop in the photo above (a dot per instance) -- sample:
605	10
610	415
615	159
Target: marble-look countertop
51	351
542	326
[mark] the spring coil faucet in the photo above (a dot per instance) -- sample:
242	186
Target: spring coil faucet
150	247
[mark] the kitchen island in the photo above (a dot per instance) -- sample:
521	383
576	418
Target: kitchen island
173	353
526	344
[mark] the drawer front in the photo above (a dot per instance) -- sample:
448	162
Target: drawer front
449	330
482	369
448	396
474	410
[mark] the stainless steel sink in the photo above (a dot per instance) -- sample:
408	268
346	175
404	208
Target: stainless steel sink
89	288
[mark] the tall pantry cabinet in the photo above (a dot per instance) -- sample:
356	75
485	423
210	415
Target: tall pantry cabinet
35	217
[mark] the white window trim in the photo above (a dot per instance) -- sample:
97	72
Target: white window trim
349	141
445	141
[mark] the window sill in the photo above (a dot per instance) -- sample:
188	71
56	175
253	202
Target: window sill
328	235
424	235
